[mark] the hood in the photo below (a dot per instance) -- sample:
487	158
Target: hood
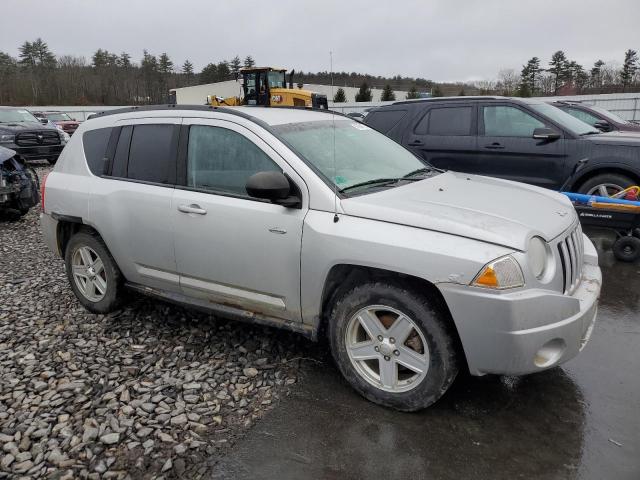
626	138
23	127
488	209
6	154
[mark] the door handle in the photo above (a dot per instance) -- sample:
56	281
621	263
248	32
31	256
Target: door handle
415	143
193	208
494	146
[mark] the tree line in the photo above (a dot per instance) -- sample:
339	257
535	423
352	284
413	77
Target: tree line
39	77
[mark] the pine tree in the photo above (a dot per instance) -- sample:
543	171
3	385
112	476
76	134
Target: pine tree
165	65
209	74
529	77
235	64
412	93
387	94
187	68
249	61
364	94
558	68
596	73
628	68
223	71
124	60
340	96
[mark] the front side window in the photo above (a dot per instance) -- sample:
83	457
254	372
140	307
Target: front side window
277	80
151	153
346	152
222	160
505	121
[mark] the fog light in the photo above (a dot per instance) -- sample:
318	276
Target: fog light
550	353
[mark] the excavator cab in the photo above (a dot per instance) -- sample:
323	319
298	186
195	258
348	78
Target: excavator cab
258	83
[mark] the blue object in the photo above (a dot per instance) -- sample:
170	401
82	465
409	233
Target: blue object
587	199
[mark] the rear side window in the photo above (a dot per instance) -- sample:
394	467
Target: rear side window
450	121
384	120
151	153
95	148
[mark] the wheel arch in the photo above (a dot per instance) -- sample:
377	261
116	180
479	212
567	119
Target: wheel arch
604	169
342	277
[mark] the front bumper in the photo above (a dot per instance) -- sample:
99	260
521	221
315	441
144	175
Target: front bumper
524	331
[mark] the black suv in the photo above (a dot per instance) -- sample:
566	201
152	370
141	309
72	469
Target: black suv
22	132
597	117
525	140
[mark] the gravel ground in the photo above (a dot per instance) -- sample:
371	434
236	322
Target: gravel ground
152	391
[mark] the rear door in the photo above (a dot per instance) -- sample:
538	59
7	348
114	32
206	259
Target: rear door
444	136
130	205
508	150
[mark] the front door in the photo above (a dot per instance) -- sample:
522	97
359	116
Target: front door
230	248
507	149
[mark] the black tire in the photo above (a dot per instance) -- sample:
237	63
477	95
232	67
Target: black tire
627	249
426	315
621	181
114	294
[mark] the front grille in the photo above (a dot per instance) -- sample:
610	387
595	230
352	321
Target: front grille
34	139
571	249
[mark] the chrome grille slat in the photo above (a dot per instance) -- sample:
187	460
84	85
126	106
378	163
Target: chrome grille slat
571	251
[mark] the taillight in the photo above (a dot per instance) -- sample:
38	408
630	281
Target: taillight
42	187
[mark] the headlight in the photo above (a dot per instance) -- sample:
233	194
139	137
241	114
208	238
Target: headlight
537	256
500	274
7	138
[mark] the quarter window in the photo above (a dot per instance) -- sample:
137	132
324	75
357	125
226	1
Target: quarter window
222	160
448	121
504	121
95	147
151	153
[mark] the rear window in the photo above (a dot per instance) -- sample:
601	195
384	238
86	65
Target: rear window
151	153
450	121
95	147
384	120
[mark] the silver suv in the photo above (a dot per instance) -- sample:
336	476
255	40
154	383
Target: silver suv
316	223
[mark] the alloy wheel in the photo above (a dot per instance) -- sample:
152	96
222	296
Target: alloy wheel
89	274
387	348
605	190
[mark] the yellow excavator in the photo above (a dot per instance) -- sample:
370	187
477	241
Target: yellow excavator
267	87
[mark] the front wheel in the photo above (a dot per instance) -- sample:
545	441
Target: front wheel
393	345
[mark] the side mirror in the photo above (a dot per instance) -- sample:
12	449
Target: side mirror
603	125
545	134
44	121
272	186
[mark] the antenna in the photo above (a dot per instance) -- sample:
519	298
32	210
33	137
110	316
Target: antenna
335	170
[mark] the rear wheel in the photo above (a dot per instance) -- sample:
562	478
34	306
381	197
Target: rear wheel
393	346
93	274
606	184
627	249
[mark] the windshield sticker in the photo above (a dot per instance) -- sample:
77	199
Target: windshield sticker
360	126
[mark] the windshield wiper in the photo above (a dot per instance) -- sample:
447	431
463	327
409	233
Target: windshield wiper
417	172
375	181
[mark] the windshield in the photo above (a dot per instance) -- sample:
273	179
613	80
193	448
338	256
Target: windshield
608	114
58	117
361	153
16	116
565	119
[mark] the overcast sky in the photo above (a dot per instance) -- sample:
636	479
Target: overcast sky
436	39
